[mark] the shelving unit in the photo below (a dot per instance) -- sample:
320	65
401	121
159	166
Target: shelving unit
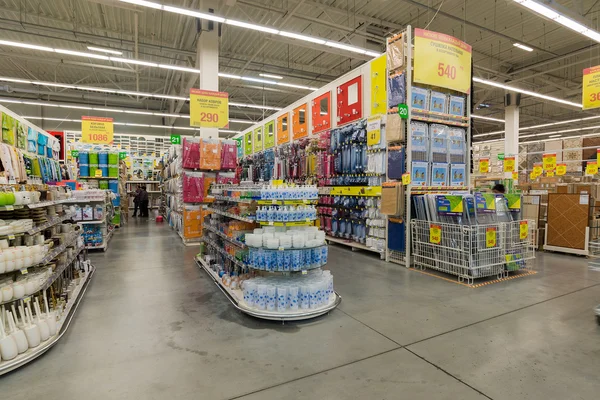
106	224
152	188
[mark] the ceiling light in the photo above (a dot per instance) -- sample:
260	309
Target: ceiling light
294	86
15	80
144	3
522	47
109	51
107	109
130	61
81	54
192	13
230	76
11	101
61	85
554	136
271	76
373	53
247	78
179	68
487	118
254	106
304	38
527	92
251	26
95	89
342	46
76	107
25	45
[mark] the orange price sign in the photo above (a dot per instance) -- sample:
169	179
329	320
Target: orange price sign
515	176
98	130
523	230
591	168
435	234
490	237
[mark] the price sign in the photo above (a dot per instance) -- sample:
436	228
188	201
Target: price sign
561	169
122	155
373	131
406	178
98	130
209	109
532	175
509	164
442	60
598	155
435	234
248	143
11	237
24	271
549	174
490	237
403	111
549	161
9	208
98	173
515	176
537	169
591	168
74	153
591	88
484	165
175	139
523	230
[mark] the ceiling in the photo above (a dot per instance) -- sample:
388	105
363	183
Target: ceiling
490	26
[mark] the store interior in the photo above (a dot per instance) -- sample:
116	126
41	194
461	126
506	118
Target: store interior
248	199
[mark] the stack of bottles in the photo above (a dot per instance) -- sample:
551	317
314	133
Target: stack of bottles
305	292
286	213
284	192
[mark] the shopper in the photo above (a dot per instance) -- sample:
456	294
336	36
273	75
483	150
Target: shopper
136	202
499	188
143	202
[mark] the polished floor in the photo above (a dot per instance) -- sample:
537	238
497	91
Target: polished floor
154	326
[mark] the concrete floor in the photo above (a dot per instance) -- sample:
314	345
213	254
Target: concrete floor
154	326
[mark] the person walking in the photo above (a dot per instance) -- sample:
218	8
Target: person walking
143	202
136	202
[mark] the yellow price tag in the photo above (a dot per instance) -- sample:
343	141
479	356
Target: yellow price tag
406	179
523	230
209	109
591	88
98	173
373	131
490	237
549	161
509	164
515	176
484	165
549	174
435	234
561	169
98	130
591	168
537	169
11	237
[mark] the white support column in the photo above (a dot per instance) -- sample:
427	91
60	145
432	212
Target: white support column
511	131
207	58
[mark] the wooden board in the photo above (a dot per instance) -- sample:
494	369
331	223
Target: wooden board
568	216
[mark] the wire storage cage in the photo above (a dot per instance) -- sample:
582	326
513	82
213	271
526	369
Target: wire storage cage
519	245
467	251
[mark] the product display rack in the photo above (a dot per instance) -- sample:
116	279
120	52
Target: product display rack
153	190
106	223
219	262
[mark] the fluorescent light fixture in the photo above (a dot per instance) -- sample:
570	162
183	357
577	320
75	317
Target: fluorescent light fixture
254	106
25	45
251	26
250	79
169	97
143	125
11	101
230	76
60	85
76	107
527	92
107	109
132	93
144	3
373	53
81	54
109	51
554	136
14	80
271	76
242	121
522	47
486	118
291	85
140	112
95	89
304	38
194	14
179	68
130	61
346	47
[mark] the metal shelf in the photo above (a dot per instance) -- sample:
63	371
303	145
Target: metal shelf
224	253
224	236
309	222
355	245
91	222
230	215
50	223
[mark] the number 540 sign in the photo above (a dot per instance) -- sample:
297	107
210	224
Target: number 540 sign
442	60
209	109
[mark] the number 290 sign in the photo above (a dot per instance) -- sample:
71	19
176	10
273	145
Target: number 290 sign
442	60
209	109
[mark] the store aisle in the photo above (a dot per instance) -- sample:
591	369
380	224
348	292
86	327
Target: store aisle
153	325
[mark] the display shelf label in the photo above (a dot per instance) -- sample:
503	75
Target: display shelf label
406	178
74	153
175	139
523	230
10	237
97	130
442	60
591	168
403	111
373	131
98	173
122	155
484	165
549	161
509	164
490	237
435	234
9	208
23	271
591	88
209	109
561	169
549	174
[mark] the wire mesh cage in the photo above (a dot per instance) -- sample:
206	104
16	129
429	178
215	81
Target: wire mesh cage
467	251
519	244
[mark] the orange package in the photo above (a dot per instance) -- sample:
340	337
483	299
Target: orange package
210	154
209	179
192	222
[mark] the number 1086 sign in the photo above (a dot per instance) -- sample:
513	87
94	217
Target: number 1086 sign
209	109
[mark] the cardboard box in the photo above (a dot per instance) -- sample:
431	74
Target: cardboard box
562	189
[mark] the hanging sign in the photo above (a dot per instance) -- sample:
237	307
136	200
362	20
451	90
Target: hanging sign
258	139
500	156
591	168
561	169
523	230
537	169
435	234
509	164
490	237
549	174
532	175
269	132
406	178
515	176
122	155
591	88
442	60
240	147
74	153
248	143
373	131
209	109
484	165
175	139
598	155
549	161
403	111
97	130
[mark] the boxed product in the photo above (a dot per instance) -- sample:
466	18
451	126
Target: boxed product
419	98
439	174
457	146
99	212
192	221
458	175
420	173
438	102
457	106
78	213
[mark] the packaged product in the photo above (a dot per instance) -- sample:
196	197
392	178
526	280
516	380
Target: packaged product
210	154
191	153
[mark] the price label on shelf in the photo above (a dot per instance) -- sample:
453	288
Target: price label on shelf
373	131
406	178
304	272
281	248
435	234
271	223
561	169
490	237
308	220
23	271
11	237
9	208
27	299
549	174
523	230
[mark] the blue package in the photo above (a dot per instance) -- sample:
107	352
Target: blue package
419	98
458	175
438	139
395	162
438	102
396	90
439	174
457	106
419	173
